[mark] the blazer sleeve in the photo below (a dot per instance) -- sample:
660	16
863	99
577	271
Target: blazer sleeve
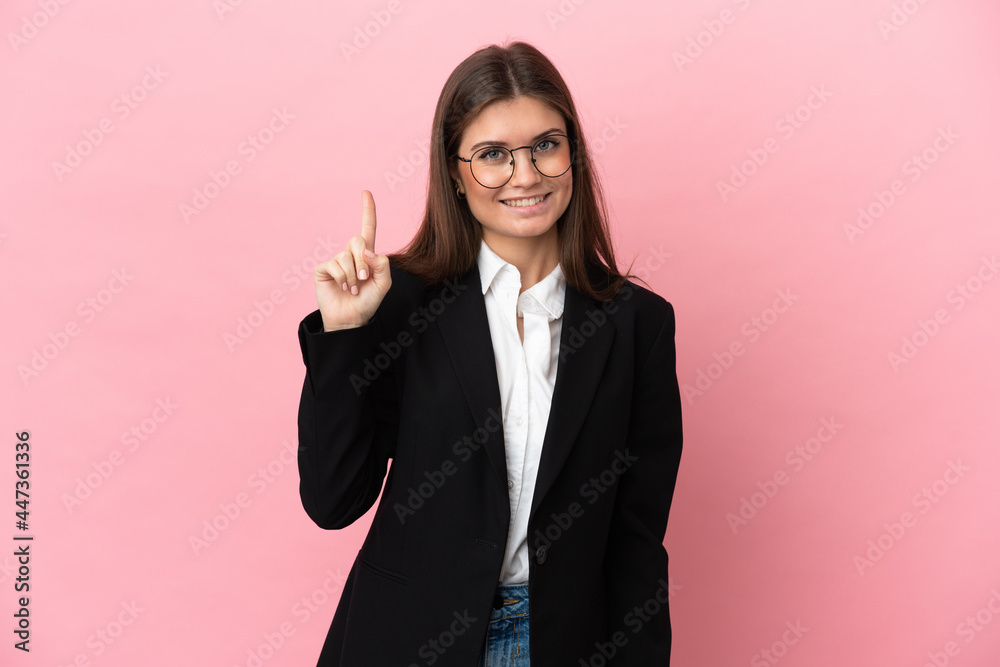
636	565
348	420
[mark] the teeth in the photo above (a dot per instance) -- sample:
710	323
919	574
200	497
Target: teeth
519	203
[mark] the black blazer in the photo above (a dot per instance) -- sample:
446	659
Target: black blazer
418	384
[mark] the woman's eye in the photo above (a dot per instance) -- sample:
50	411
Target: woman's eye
491	154
546	145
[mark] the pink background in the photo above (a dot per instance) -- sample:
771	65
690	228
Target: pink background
667	133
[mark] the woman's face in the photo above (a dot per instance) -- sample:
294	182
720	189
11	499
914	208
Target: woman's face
519	122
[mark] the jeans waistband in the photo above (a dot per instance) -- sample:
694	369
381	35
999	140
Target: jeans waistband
509	594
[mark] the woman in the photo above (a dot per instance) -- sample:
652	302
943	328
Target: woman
524	389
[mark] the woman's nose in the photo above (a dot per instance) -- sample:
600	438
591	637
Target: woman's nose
525	173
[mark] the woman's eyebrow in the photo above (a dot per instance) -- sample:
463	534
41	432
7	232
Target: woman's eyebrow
495	142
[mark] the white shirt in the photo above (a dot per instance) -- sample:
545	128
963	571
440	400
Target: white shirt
527	376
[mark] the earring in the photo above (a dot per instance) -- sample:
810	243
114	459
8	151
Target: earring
458	191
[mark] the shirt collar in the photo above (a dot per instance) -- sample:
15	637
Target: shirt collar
550	291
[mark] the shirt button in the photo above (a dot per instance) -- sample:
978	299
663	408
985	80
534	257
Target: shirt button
510	483
520	420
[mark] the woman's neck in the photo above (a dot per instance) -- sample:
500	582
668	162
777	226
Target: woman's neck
534	257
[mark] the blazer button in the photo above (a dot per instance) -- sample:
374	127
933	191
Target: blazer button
540	554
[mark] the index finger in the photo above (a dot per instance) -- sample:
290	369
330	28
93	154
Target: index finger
368	219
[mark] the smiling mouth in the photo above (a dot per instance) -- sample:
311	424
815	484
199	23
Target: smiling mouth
524	202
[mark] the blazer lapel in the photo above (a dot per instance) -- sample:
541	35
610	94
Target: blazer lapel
583	352
465	329
584	348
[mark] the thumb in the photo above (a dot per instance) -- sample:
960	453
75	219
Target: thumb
379	264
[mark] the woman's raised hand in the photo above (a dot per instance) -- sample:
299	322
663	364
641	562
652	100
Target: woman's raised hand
351	285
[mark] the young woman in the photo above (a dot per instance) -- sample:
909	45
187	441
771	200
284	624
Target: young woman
524	389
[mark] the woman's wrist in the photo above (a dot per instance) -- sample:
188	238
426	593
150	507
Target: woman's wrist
338	327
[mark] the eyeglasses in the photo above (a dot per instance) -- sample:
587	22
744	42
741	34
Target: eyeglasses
493	166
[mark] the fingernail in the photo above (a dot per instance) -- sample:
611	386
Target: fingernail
362	274
354	289
344	286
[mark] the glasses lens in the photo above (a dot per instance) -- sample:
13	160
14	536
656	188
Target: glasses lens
552	155
494	165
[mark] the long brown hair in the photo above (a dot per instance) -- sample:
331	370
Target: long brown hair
446	245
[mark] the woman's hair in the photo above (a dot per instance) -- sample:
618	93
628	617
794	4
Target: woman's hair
447	243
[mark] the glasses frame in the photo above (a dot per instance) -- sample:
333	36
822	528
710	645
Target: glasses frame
572	159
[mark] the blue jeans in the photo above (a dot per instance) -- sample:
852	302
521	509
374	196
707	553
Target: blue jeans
507	636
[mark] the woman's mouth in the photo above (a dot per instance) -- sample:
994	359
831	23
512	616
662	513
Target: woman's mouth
525	202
